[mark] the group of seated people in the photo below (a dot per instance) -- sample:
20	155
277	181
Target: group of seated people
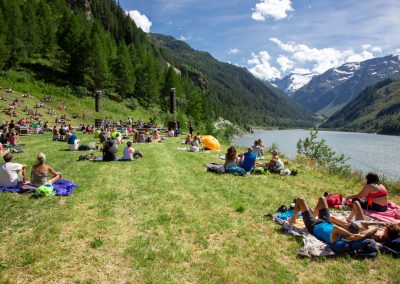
47	99
14	174
194	143
246	162
110	150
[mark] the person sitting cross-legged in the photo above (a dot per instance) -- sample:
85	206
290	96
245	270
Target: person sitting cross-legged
340	239
40	172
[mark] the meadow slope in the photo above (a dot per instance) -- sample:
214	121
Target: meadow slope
164	219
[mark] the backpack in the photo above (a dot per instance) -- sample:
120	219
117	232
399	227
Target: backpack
334	200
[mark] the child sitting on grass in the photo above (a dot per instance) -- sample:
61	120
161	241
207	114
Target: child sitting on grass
128	152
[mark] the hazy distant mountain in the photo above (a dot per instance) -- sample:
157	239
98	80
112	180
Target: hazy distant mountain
237	95
376	109
292	82
329	92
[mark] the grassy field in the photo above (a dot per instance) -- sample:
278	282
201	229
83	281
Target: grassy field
164	219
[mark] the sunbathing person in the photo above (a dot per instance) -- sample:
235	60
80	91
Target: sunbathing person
373	196
40	172
340	239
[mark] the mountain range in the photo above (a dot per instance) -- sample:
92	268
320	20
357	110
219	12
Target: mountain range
375	109
292	82
233	89
329	92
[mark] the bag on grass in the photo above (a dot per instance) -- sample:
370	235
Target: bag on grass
334	200
44	190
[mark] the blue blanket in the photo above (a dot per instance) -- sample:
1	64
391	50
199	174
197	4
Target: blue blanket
62	187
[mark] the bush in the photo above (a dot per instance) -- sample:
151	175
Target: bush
132	103
322	154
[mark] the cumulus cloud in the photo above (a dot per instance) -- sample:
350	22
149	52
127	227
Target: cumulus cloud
233	51
141	20
324	58
276	9
285	63
262	68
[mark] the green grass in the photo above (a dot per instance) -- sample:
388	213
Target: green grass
164	219
22	82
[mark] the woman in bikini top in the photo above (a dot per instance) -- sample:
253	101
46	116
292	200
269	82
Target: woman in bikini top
374	194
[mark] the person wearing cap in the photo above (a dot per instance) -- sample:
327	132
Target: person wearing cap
11	174
275	165
40	172
248	160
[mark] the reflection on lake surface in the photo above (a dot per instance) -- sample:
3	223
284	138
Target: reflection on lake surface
367	152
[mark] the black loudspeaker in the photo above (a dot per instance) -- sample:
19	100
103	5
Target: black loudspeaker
172	101
99	100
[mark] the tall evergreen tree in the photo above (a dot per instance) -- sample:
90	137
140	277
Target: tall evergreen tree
15	36
124	73
31	34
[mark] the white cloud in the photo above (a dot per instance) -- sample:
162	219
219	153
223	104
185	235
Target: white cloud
233	51
277	9
324	58
302	71
376	49
262	68
141	20
366	46
185	38
285	63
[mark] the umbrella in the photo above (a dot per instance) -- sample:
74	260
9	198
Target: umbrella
210	142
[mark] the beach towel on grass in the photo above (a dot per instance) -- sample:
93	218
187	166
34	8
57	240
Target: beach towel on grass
62	187
312	247
390	216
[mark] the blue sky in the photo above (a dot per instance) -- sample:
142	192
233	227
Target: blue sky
275	37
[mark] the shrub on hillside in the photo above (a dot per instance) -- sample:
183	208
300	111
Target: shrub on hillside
322	154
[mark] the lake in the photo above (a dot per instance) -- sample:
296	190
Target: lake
367	152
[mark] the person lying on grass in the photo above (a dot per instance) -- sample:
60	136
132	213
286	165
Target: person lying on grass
40	172
340	239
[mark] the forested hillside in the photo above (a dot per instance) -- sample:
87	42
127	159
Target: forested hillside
234	88
91	45
376	109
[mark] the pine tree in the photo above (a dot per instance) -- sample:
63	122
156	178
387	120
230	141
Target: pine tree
15	38
46	29
124	72
98	60
3	46
31	35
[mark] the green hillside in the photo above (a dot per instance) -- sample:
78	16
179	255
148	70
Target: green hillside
376	109
233	88
165	219
86	46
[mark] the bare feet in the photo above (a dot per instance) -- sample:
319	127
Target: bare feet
292	220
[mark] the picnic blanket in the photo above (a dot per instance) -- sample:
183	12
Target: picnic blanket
390	216
312	247
62	187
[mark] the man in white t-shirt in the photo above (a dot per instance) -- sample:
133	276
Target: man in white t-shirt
9	172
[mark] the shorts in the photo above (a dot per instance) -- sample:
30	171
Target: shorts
310	221
373	207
